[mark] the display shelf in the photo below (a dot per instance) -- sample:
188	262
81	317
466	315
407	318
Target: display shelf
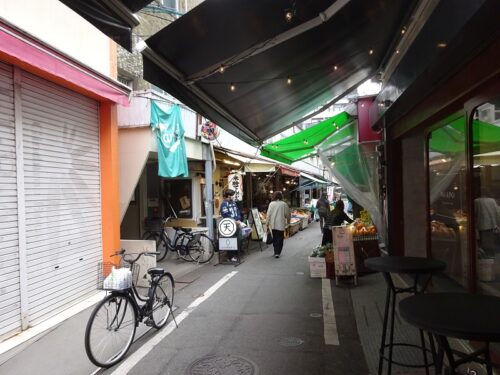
294	228
371	237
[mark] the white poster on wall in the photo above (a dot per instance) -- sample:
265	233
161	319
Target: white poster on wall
235	182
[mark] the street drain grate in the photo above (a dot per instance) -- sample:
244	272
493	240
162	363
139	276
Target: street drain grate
290	341
222	365
315	315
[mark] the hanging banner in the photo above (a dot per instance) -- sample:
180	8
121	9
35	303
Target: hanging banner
235	182
169	131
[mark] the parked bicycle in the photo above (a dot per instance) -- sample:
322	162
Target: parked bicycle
195	243
111	327
190	244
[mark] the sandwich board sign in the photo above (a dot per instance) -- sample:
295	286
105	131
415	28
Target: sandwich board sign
257	223
343	251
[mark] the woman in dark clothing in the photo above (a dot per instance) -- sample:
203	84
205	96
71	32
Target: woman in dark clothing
334	218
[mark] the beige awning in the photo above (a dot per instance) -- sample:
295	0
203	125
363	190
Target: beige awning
254	165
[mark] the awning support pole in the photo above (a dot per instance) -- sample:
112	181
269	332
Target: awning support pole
207	156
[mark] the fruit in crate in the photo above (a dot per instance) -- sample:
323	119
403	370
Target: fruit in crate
361	229
299	213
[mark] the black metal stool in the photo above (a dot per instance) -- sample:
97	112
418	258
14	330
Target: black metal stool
415	267
447	315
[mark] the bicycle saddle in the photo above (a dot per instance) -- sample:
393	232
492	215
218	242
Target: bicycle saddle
185	230
156	271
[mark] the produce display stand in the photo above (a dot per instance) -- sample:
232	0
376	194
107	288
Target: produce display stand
303	215
304	223
365	247
343	250
294	228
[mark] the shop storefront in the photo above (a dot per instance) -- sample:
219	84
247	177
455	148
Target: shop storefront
349	151
311	187
453	213
59	194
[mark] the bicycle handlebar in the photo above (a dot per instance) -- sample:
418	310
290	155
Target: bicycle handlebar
128	257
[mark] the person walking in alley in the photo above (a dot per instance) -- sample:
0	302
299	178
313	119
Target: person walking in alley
334	218
323	207
278	216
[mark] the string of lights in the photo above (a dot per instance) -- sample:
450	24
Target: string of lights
289	79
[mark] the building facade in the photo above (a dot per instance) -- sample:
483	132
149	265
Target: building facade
58	175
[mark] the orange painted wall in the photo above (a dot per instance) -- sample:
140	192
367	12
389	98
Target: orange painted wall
110	205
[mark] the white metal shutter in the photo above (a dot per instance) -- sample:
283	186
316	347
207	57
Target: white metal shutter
10	305
62	192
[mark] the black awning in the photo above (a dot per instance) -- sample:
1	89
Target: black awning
249	38
114	18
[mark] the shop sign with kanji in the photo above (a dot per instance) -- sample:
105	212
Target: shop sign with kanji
235	182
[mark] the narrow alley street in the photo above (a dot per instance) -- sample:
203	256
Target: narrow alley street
266	319
265	316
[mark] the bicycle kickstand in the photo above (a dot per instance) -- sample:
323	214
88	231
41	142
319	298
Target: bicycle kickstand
173	317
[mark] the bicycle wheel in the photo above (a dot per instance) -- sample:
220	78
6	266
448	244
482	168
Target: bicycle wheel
201	248
151	235
162	297
110	330
182	246
163	246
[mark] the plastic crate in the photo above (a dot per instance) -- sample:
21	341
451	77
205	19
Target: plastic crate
317	267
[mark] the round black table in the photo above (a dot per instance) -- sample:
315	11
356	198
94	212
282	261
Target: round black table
420	269
459	315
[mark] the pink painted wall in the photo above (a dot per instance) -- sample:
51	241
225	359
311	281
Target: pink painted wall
365	133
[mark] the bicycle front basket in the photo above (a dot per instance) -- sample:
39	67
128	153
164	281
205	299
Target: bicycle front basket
113	279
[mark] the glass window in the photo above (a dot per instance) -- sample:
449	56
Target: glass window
178	197
447	200
486	180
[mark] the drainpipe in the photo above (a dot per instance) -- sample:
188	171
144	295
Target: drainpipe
207	156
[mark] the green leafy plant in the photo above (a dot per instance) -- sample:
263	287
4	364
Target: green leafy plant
320	251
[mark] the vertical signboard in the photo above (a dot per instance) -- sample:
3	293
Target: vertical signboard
235	182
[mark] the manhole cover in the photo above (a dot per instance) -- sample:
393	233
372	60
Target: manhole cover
299	273
315	315
291	341
222	365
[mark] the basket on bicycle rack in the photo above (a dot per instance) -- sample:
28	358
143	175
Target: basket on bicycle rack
110	277
154	224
